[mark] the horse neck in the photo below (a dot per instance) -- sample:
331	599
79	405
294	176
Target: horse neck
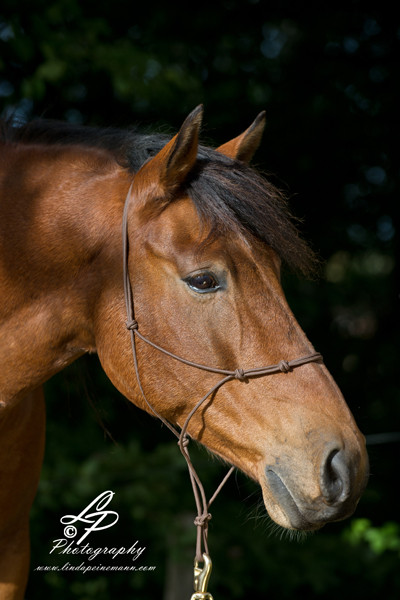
60	229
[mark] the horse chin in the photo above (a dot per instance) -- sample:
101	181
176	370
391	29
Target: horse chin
283	508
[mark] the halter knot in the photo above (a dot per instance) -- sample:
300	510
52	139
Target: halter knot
284	366
203	519
131	325
183	442
240	374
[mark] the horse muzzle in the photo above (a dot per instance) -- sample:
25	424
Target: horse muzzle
342	477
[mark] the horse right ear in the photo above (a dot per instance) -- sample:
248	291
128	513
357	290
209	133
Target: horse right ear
244	146
159	178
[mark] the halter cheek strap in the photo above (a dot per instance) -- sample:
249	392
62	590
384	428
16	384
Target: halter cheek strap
202	505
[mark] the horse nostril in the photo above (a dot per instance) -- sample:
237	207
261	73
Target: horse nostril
335	477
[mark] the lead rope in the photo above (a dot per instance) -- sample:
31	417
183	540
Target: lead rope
201	574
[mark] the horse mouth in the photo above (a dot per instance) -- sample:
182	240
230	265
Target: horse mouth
288	505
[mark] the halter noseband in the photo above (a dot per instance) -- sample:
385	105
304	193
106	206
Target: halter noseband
203	515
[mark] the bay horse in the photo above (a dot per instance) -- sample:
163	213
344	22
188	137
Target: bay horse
207	235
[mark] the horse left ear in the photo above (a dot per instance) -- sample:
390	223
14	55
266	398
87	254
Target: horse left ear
181	151
159	178
245	145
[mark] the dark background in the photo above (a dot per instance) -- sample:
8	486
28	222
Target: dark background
327	74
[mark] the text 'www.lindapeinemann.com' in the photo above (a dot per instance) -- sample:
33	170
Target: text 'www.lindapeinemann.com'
84	568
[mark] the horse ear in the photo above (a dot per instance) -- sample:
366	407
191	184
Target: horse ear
182	153
161	176
245	145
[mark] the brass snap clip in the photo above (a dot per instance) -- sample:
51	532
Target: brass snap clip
201	578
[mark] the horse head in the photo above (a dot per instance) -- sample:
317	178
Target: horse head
206	238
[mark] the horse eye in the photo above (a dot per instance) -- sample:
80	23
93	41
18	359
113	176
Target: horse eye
203	282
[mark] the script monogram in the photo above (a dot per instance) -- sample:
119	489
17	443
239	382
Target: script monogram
94	515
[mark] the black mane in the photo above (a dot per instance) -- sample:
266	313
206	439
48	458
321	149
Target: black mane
229	195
